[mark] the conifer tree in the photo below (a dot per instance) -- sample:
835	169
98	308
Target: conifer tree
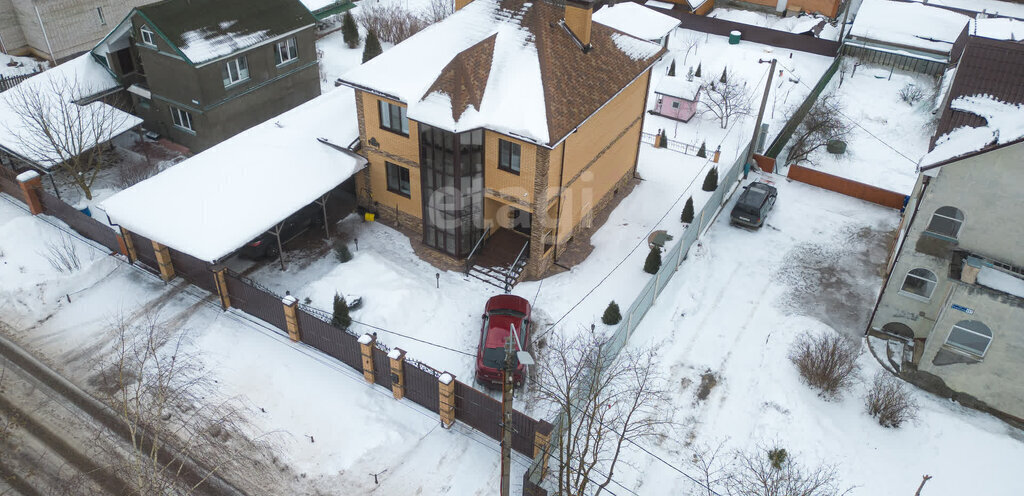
697	73
703	152
687	215
372	48
341	319
349	31
672	68
611	314
653	262
711	180
722	79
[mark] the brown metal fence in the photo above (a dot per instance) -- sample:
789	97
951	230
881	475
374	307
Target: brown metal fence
255	301
9	82
81	223
756	34
8	186
342	345
421	385
381	367
144	252
847	187
478	410
193	270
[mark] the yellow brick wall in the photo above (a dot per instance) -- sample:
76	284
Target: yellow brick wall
595	134
379	186
406	147
519	186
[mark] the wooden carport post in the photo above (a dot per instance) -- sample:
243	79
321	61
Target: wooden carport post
163	260
127	245
446	399
366	342
220	280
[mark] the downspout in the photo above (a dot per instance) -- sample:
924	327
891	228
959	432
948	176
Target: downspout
558	213
45	37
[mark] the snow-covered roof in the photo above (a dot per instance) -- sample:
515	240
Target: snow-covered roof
1005	124
315	5
908	24
637	20
990	7
679	87
1001	281
205	30
508	66
52	90
998	28
218	200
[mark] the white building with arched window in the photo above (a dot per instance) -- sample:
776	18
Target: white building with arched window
955	289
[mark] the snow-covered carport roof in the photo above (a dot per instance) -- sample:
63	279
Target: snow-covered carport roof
637	20
215	202
63	98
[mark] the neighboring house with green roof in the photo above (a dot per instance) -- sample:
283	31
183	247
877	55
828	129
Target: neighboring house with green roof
201	71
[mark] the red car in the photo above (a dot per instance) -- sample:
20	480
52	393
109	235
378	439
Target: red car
501	312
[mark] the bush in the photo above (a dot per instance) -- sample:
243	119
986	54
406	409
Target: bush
653	262
889	401
672	69
708	380
687	215
697	72
390	22
911	93
711	180
342	252
62	253
349	31
341	319
611	314
826	362
372	48
703	151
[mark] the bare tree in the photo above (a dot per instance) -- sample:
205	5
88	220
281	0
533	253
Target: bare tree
890	401
689	41
390	22
605	403
772	471
712	468
62	253
824	122
55	128
171	413
438	11
725	100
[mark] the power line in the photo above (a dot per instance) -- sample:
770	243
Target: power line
406	336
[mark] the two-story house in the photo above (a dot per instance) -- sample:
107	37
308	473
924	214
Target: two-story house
510	116
58	29
955	290
200	71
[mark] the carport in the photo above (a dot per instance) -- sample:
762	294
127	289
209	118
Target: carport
214	203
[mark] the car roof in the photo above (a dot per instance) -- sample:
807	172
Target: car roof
508	302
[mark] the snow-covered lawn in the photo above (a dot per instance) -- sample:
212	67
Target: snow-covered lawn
328	427
690	49
22	65
888	135
735	307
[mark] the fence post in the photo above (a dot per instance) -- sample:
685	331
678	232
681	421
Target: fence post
220	280
291	320
163	260
446	399
679	256
127	244
30	183
366	342
397	359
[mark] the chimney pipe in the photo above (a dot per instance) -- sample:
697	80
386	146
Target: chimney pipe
459	4
578	14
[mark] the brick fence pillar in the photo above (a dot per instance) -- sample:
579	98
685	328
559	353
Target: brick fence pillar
717	155
163	260
366	342
31	183
397	359
291	318
127	245
446	399
220	280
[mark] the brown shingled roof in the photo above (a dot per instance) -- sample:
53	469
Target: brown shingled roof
987	67
465	77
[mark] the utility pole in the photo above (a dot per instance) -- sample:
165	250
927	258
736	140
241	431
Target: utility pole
760	117
507	378
842	29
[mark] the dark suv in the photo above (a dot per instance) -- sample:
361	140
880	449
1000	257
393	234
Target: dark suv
753	205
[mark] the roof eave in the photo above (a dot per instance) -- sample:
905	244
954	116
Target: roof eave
975	153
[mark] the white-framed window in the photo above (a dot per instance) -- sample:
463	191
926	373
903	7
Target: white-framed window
182	119
286	51
920	283
675	105
393	118
946	222
235	71
970	336
147	35
99	12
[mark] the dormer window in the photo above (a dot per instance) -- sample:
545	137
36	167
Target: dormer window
147	35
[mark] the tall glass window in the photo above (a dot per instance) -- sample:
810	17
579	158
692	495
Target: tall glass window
452	181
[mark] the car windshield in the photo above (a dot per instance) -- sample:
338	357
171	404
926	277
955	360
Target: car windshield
495	358
504	311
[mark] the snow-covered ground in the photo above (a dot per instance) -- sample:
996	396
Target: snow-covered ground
735	307
21	65
328	427
790	24
690	49
888	136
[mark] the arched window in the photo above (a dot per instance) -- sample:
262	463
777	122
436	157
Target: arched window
946	221
970	336
919	282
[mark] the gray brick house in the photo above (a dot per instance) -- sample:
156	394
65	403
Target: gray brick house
201	71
